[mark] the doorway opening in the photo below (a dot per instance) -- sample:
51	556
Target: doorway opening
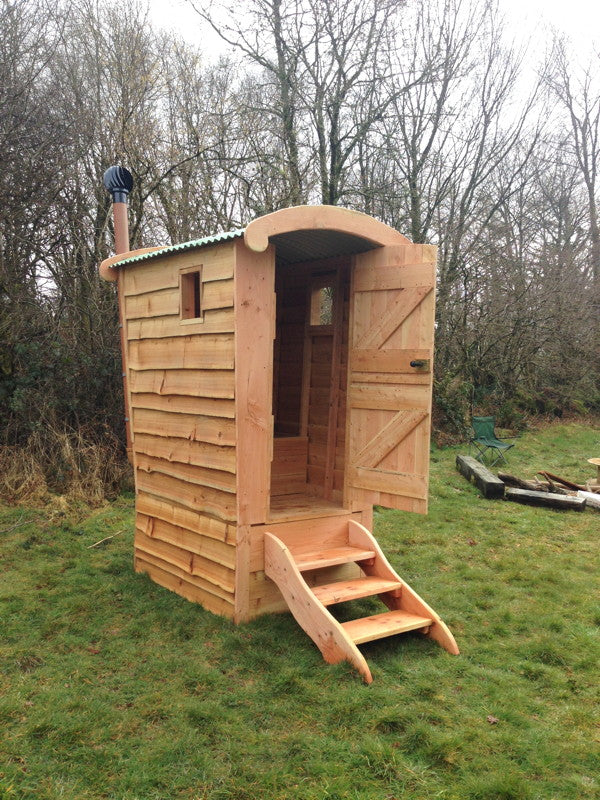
310	365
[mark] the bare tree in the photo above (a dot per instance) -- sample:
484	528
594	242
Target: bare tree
578	92
328	61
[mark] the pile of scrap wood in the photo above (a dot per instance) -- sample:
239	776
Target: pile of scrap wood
546	489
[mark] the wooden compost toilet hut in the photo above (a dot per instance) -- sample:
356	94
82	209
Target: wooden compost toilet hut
279	385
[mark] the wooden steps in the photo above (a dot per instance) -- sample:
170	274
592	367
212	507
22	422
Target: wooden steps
338	641
331	557
380	625
342	591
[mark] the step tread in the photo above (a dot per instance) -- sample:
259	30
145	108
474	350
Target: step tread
366	629
341	591
327	558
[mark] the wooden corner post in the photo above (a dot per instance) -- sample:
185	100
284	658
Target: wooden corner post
119	182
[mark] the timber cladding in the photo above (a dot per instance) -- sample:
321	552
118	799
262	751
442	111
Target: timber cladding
182	406
268	394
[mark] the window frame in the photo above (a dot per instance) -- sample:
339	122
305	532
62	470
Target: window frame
190	295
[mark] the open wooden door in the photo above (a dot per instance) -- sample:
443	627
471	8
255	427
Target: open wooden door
388	423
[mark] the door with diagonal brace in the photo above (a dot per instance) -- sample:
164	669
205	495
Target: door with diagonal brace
392	308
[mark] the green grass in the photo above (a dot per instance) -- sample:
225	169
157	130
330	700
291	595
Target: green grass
112	687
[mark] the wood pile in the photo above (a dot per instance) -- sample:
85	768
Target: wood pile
545	489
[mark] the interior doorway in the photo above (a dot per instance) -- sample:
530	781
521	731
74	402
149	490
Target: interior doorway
310	364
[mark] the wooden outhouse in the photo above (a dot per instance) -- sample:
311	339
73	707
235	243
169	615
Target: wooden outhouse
278	386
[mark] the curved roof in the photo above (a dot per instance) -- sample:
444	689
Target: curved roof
300	233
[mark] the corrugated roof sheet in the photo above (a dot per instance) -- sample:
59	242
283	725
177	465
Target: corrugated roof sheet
291	247
191	245
311	244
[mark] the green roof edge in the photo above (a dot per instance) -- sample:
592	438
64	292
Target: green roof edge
193	244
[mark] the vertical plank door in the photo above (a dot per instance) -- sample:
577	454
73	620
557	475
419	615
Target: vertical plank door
392	306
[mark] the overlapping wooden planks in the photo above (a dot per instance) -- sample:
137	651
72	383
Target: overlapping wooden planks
203	499
291	315
195	428
159	274
165	326
183	352
182	584
188	382
182	385
184	451
182	404
186	518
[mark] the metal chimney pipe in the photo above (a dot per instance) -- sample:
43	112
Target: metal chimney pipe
119	182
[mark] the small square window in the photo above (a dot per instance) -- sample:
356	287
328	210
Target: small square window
191	294
321	305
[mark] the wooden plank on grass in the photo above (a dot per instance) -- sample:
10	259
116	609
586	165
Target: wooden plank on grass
592	499
474	471
546	499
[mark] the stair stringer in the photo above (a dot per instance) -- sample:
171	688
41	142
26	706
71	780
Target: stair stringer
312	616
405	599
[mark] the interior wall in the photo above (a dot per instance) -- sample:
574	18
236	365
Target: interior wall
310	373
326	428
291	291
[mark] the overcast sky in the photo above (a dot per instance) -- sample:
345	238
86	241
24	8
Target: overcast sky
579	19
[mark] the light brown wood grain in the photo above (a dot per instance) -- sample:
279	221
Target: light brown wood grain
393	361
325	531
164	551
313	618
190	473
288	469
180	516
190	587
183	352
184	451
265	597
165	327
163	272
202	499
255	331
324	217
184	404
212	587
211	549
195	428
407	599
391	328
189	382
242	575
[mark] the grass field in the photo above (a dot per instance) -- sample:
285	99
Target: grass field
112	687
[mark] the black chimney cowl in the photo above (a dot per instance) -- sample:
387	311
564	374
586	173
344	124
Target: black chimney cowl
119	182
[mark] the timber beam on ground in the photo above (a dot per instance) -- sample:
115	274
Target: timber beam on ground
474	471
547	499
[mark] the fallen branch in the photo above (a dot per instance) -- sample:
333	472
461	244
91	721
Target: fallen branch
519	483
576	487
14	527
106	538
552	487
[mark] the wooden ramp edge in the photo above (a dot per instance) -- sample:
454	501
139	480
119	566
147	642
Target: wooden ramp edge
338	641
314	619
406	599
